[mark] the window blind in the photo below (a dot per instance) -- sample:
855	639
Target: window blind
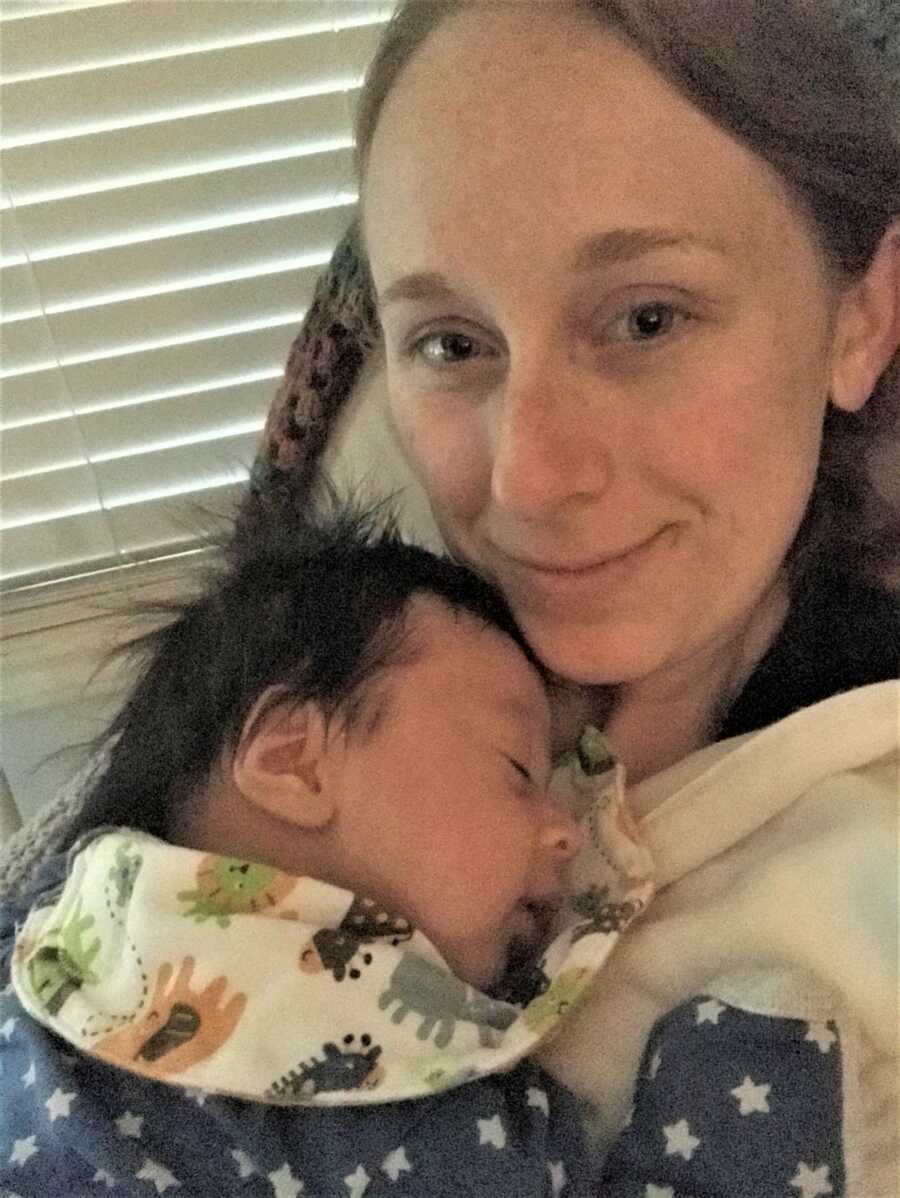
174	176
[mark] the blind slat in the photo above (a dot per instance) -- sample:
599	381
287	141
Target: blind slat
126	430
196	313
134	431
102	540
63	106
179	263
46	496
160	526
38	447
39	396
19	291
59	547
25	344
93	385
183	469
75	41
178	470
107	160
163	209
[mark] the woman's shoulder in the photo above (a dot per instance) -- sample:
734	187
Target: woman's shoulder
839	635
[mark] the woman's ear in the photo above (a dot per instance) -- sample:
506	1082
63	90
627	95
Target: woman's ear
867	332
281	764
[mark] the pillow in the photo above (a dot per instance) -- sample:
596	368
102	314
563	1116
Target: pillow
363	455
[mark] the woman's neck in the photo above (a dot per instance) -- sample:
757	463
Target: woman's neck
656	721
659	720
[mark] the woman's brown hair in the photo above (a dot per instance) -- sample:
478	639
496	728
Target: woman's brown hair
811	99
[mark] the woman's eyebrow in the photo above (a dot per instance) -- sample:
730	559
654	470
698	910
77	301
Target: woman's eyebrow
624	245
596	252
422	286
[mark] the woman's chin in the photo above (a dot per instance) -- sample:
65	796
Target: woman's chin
597	654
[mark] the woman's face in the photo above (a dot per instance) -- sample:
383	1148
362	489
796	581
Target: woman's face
609	336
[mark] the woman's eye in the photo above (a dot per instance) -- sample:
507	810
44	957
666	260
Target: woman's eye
650	320
441	350
647	323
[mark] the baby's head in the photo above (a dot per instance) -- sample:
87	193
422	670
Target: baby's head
345	706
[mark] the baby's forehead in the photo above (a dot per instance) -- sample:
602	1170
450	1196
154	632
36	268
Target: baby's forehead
453	642
434	625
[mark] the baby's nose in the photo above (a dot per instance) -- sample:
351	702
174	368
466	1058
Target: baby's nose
562	834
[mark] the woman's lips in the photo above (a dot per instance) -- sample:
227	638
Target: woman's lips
552	568
561	578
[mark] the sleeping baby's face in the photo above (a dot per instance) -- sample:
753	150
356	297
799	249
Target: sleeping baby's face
443	811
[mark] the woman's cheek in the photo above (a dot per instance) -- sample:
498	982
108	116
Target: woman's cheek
445	449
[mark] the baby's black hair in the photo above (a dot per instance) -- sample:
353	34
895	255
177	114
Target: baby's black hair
311	603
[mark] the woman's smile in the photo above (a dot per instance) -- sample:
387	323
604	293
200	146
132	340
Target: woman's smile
535	582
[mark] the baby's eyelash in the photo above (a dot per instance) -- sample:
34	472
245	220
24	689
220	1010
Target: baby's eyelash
521	768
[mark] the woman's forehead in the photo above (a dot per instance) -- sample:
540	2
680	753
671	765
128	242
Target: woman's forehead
521	130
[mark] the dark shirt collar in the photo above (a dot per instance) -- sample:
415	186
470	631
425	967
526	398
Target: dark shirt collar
837	636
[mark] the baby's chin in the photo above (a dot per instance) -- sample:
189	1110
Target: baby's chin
487	968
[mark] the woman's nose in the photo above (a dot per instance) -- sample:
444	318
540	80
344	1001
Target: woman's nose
547	450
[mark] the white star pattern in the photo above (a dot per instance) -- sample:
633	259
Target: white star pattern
821	1034
396	1163
107	1178
22	1150
6	1030
29	1077
679	1140
752	1097
58	1104
652	1191
199	1096
284	1183
538	1098
709	1011
246	1167
130	1125
491	1131
557	1173
357	1182
158	1174
812	1183
655	1062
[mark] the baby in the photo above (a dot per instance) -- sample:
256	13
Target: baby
323	848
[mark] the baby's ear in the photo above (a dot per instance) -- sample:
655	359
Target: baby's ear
868	326
281	762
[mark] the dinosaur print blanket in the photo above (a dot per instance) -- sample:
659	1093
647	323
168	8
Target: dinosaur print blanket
233	978
178	1023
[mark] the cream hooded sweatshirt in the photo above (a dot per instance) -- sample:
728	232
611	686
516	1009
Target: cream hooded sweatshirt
743	1036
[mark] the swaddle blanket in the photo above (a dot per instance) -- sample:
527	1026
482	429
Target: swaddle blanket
232	977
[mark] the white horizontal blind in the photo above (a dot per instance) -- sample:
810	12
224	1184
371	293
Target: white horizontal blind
174	175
